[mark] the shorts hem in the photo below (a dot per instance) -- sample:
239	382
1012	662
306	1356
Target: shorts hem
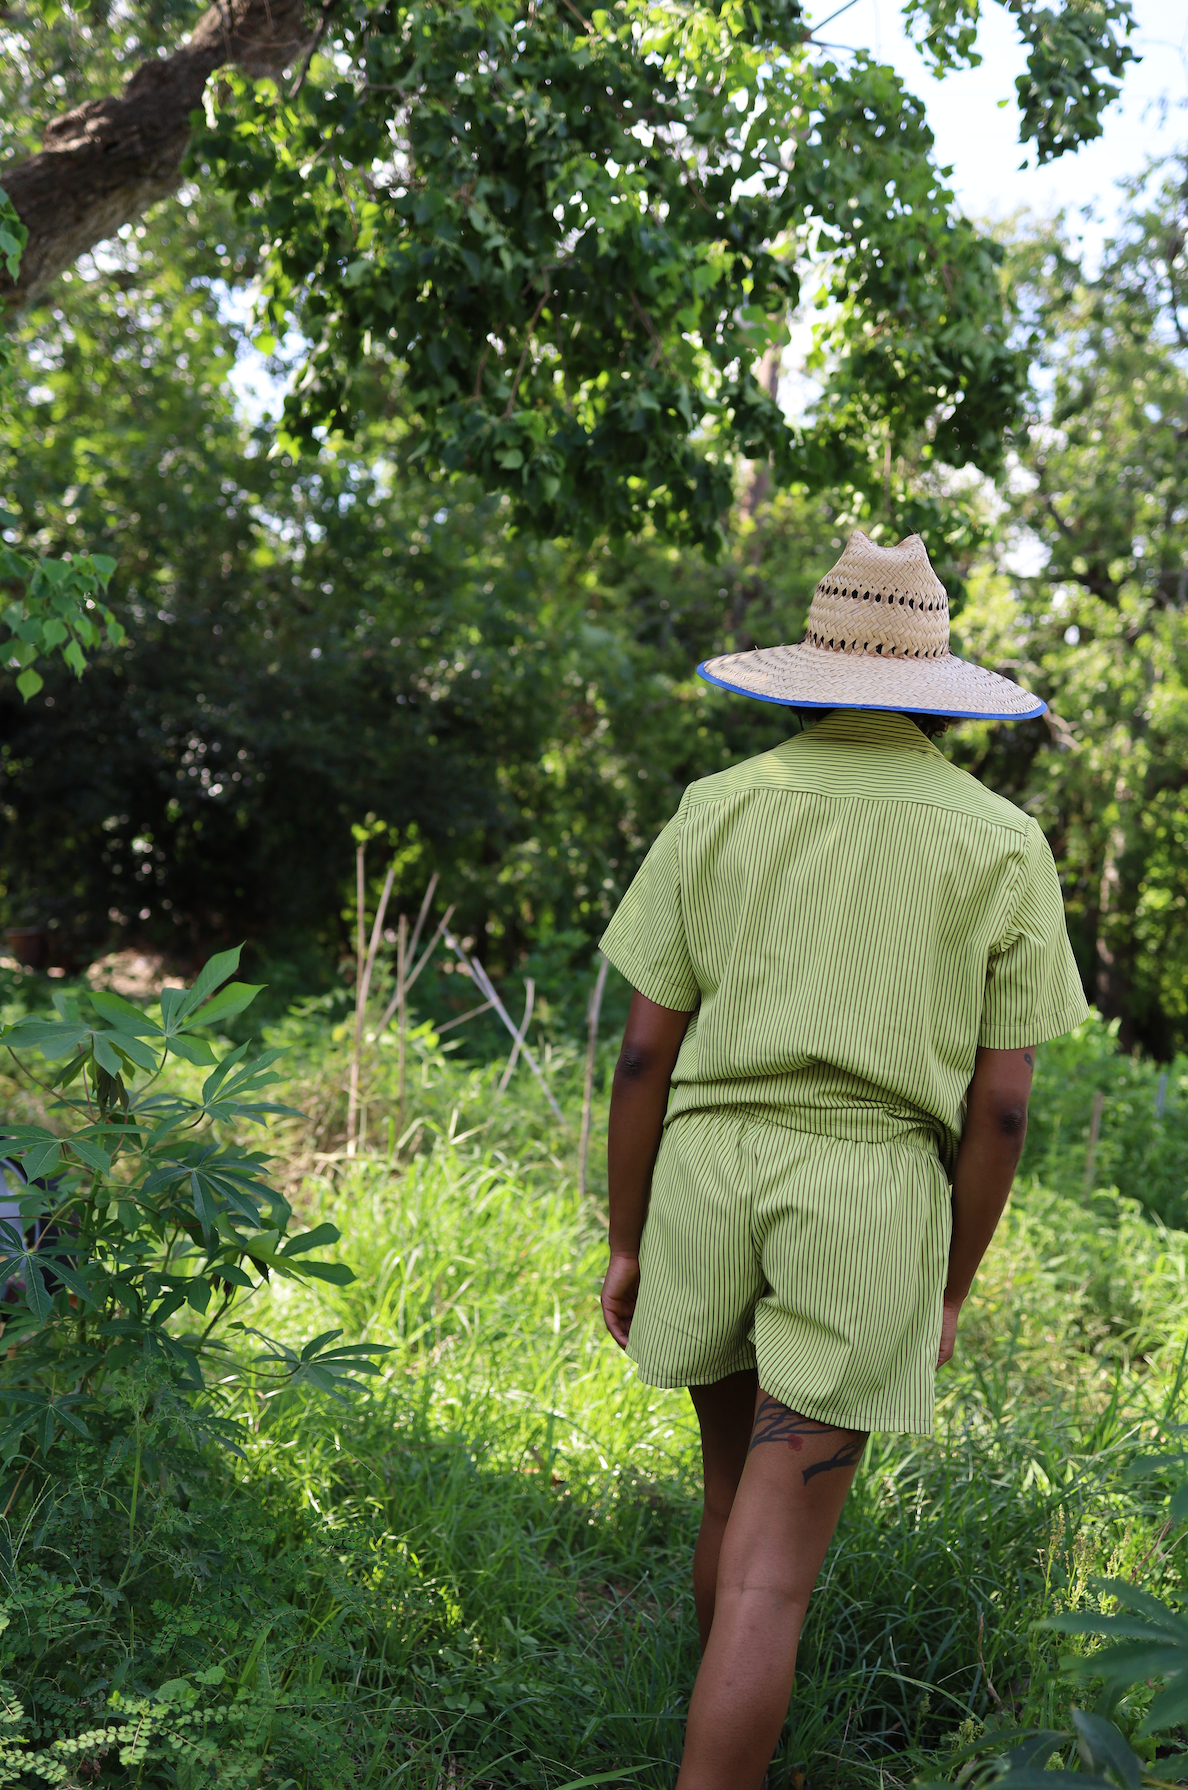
872	1417
821	1411
673	1379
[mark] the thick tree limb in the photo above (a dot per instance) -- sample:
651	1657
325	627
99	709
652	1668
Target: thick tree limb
107	161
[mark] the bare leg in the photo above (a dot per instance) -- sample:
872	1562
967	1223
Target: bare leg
786	1508
726	1413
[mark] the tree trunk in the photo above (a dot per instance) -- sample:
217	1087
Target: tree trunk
106	162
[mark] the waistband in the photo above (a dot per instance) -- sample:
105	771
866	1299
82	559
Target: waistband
859	1122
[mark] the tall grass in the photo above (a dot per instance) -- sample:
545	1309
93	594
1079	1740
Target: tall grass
552	1500
477	1574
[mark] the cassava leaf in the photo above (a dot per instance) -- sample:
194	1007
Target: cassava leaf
215	971
224	1005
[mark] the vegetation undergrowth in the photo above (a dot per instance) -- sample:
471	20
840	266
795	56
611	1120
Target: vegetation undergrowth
474	1571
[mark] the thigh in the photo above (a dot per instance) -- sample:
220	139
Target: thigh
726	1414
798	1472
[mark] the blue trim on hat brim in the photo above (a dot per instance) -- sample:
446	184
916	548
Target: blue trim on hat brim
891	708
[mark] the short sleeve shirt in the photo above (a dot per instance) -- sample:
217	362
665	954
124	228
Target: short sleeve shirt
848	918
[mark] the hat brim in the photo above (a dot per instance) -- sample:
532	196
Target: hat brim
815	677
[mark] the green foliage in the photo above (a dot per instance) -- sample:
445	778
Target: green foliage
58	605
1142	1143
1070	53
311	643
576	238
1100	629
135	1208
59	608
479	1568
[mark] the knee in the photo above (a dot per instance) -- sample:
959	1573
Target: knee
767	1597
718	1500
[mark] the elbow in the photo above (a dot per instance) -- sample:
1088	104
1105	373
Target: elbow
635	1065
1010	1122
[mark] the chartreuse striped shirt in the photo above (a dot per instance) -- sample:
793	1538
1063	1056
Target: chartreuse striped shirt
848	918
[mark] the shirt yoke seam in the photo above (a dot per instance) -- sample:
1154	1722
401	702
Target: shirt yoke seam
1019	827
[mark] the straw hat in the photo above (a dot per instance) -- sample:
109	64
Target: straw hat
877	638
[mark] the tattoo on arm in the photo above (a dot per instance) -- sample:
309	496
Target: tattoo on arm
774	1422
1029	1059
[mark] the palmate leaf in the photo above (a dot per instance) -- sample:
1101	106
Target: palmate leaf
42	1413
319	1366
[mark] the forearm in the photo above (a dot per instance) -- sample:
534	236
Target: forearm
638	1104
986	1164
991	1145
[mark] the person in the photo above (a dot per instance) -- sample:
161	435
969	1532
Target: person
843	953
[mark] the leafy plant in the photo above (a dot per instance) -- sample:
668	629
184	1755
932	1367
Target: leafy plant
577	237
143	1208
60	602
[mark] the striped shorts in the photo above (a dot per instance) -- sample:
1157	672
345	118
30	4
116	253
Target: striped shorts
819	1260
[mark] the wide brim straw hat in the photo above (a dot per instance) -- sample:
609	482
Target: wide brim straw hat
877	638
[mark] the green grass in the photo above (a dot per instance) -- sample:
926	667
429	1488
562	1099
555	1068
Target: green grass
477	1574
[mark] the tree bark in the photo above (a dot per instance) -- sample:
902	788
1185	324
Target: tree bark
107	161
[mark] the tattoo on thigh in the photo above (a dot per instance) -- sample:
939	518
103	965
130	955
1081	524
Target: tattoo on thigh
774	1422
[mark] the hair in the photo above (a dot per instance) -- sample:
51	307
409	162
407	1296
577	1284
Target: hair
931	726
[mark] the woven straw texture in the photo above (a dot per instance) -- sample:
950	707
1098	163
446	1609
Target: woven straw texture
877	637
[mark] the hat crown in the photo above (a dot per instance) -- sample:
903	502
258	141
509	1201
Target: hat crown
886	601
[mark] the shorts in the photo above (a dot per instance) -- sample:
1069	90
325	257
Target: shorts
819	1260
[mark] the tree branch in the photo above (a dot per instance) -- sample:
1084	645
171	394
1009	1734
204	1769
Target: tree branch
106	162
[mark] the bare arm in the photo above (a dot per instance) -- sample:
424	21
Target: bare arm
639	1099
991	1145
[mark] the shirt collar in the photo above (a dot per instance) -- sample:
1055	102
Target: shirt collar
887	729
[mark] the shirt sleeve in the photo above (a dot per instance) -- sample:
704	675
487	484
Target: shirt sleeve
646	939
1033	987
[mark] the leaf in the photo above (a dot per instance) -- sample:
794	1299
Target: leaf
1168	1709
29	683
46	1035
123	1015
1035	1750
198	1293
136	1055
90	1153
41	1160
1103	1749
215	1081
602	1777
214	972
231	1000
194	1050
71	1278
104	1055
318	1238
1031	1779
337	1273
37	1295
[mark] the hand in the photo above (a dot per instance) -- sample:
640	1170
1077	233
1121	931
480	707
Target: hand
620	1290
950	1312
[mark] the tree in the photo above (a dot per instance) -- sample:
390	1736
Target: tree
1102	629
562	243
